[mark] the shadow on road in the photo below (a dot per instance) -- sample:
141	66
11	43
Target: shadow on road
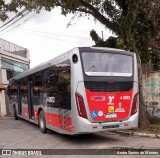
93	138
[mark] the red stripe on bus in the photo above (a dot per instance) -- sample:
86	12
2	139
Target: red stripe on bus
62	122
36	115
25	112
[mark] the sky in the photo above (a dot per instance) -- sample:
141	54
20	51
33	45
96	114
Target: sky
46	35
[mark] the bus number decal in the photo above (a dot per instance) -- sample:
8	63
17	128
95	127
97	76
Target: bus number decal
125	97
51	99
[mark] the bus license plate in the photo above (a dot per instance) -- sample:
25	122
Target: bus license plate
113	115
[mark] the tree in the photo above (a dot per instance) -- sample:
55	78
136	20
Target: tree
3	9
130	20
112	42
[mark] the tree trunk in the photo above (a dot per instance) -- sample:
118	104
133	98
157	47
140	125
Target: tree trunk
143	119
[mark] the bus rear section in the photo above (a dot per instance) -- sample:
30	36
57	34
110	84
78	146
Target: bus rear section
106	91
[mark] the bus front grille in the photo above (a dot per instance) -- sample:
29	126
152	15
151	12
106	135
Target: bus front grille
108	87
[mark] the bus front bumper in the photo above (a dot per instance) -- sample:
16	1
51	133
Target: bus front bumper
86	126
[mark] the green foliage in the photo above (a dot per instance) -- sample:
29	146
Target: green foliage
112	42
3	9
135	22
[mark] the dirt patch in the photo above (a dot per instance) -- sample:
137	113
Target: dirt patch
151	129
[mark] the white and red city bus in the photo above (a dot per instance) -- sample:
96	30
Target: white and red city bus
85	90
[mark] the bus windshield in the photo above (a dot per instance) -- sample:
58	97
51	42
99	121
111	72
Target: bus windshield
107	64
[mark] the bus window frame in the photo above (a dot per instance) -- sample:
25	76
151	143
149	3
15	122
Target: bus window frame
106	78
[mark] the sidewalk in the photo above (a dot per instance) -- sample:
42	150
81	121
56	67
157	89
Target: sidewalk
7	117
140	134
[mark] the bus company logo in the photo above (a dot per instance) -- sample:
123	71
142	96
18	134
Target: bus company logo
110	100
120	109
98	98
119	105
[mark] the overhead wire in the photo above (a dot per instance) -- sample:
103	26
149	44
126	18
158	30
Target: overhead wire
50	33
14	22
22	23
16	16
22	13
49	37
26	20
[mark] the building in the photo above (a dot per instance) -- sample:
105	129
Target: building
13	61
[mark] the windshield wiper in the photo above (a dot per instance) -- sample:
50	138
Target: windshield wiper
91	68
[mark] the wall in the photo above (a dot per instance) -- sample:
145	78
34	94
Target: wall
16	57
151	91
2	103
4	77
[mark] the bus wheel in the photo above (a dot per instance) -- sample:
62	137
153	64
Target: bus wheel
15	113
42	122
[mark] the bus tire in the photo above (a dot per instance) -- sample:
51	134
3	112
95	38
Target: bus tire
15	113
42	122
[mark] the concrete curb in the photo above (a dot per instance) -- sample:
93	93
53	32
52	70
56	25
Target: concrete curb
6	117
138	134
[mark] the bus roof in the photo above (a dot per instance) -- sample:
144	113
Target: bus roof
64	57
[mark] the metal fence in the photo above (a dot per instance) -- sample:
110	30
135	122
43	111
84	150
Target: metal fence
13	48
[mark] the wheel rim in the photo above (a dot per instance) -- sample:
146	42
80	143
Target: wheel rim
41	123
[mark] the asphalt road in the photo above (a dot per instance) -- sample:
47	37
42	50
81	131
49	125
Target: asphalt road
25	135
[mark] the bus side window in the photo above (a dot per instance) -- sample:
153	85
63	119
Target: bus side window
24	93
38	89
12	92
64	88
52	87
